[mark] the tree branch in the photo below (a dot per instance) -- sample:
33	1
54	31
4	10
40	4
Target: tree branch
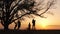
14	6
19	17
48	7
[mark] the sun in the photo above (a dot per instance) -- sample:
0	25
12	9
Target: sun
44	23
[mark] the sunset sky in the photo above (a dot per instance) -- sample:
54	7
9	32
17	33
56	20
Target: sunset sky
41	22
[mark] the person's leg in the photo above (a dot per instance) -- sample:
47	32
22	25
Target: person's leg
15	26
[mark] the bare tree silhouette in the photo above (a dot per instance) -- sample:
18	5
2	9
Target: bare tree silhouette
9	9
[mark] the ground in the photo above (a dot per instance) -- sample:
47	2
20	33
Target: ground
28	31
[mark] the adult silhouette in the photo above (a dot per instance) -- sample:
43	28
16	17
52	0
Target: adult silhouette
18	24
33	24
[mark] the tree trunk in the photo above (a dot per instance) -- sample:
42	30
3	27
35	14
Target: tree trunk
6	26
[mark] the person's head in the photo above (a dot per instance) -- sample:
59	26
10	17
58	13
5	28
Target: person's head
33	20
29	23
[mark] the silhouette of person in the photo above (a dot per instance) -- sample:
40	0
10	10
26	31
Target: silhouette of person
15	25
33	22
29	25
18	24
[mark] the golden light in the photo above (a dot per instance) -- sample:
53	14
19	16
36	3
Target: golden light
43	26
44	23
